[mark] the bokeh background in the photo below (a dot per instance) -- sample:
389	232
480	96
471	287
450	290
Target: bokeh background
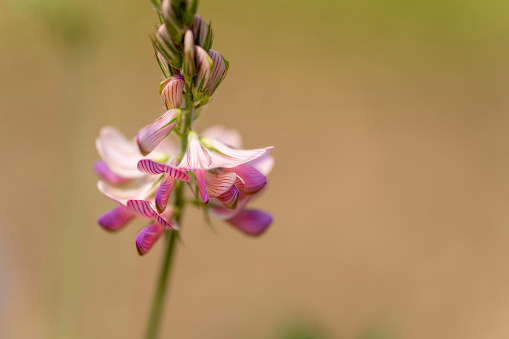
390	192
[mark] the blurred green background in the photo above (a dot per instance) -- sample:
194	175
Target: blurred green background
390	192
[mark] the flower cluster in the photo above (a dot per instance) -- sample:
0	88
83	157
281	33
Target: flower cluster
143	175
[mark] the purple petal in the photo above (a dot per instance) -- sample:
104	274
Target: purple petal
115	218
150	136
163	192
151	167
252	180
104	172
251	222
147	237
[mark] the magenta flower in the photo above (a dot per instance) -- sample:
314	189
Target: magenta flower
132	190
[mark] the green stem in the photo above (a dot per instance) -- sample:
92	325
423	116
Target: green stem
164	276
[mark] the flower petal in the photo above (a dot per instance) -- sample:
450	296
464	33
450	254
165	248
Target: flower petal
218	184
223	155
151	135
196	157
226	213
227	136
252	180
141	208
120	154
115	218
251	222
147	237
163	192
102	169
200	179
151	167
171	92
139	189
263	164
230	197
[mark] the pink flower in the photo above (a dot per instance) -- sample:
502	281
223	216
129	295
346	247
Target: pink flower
132	190
226	176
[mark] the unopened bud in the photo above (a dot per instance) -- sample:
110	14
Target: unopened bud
164	44
218	72
202	32
204	66
171	91
189	65
174	26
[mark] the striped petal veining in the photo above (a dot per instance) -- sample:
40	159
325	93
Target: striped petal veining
151	167
230	197
163	192
218	71
147	237
196	157
151	135
141	208
223	155
218	184
171	91
200	180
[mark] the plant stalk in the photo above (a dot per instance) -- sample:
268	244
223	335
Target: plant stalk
156	313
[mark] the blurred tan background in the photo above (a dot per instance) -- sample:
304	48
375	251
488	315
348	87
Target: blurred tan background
390	192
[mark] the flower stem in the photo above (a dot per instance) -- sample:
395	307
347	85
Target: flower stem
164	276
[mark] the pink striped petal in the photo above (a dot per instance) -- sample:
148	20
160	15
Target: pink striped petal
151	167
251	222
163	193
115	218
200	179
196	157
147	237
102	169
225	156
263	164
228	136
171	91
150	136
217	184
230	197
120	154
218	71
252	180
141	208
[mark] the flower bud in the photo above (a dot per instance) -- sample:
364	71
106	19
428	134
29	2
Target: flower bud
204	66
218	72
202	32
189	66
174	26
164	44
171	91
